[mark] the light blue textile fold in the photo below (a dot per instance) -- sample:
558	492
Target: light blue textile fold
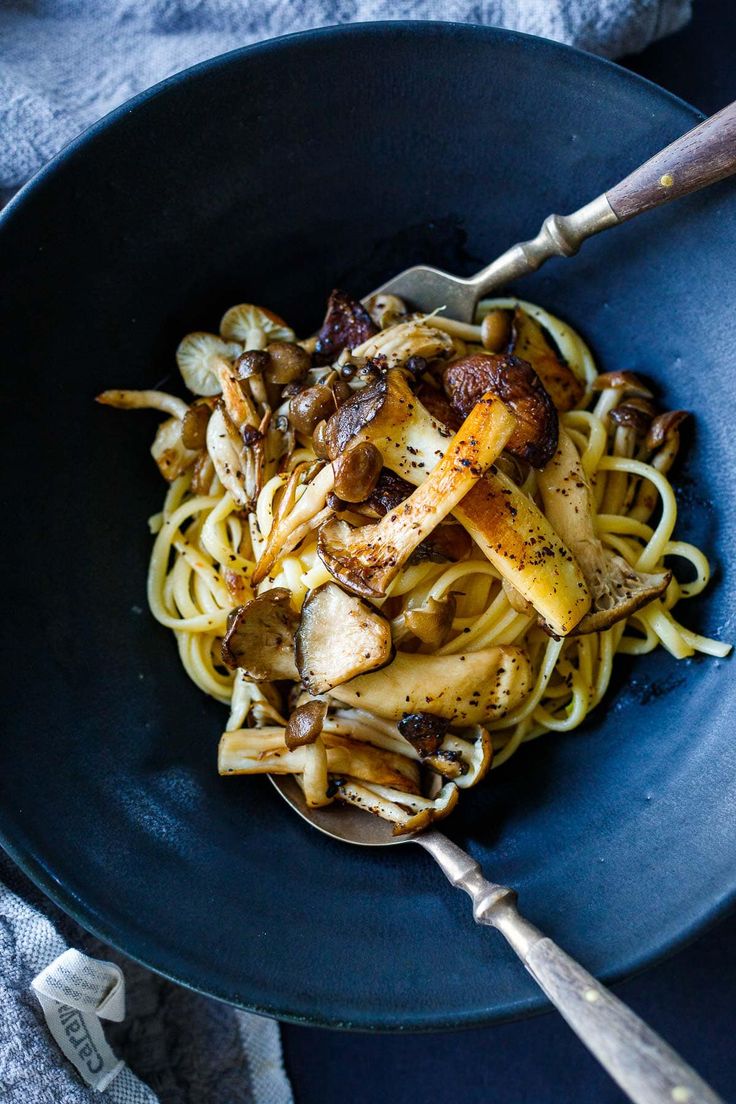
65	63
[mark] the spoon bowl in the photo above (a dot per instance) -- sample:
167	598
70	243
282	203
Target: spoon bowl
341	822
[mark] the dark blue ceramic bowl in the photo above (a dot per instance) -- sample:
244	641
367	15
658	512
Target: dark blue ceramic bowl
270	175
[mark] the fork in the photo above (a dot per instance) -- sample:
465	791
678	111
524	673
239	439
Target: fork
701	157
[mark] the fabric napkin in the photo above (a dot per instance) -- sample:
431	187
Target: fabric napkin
64	64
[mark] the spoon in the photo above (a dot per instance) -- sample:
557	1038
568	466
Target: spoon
703	156
644	1066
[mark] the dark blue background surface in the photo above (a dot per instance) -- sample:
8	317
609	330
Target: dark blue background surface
691	999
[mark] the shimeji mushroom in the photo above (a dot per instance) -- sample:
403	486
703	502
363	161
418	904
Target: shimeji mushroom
504	522
367	559
263	751
430	623
254	326
196	357
464	758
617	589
296	515
260	637
386	310
392	805
324	660
462	755
305	724
663	439
465	689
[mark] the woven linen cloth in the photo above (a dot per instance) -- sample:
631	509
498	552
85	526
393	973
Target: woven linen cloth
64	64
181	1048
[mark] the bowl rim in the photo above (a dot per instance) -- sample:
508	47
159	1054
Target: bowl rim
33	867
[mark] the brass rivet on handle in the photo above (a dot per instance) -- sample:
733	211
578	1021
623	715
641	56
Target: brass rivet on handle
667	180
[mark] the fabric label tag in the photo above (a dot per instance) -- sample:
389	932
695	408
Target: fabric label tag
75	992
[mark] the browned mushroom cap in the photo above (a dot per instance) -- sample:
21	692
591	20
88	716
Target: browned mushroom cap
260	637
305	724
439	406
448	543
532	343
664	429
516	383
194	425
339	636
288	362
626	381
310	407
388	493
353	416
431	624
635	413
347	324
357	471
424	731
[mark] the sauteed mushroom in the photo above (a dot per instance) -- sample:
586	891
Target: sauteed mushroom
516	383
466	689
367	559
511	531
618	589
260	637
330	615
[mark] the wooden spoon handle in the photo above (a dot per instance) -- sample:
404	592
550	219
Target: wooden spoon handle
703	156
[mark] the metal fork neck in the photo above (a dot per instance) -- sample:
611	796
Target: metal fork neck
560	236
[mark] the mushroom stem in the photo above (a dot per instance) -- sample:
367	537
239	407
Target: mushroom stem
144	400
294	518
367	559
618	589
507	526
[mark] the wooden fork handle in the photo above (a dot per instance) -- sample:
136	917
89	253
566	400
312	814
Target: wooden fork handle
703	156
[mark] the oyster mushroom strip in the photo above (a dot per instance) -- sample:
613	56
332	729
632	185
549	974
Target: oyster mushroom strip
367	559
417	338
251	751
296	515
466	689
618	589
506	525
464	756
168	449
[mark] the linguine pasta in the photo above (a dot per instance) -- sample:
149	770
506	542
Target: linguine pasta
456	622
